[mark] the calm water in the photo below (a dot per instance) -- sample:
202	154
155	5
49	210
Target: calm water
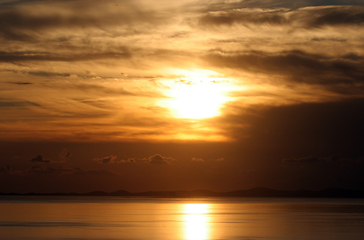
79	218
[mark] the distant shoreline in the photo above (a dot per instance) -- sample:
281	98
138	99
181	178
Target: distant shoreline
255	192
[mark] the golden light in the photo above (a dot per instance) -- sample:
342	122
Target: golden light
197	95
196	221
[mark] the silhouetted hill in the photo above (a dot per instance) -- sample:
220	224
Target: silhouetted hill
325	193
254	192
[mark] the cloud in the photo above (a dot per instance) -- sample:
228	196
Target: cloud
333	127
50	170
40	159
9	170
21	83
129	160
309	159
313	159
17	104
19	24
159	159
217	160
64	154
87	87
62	171
194	159
108	159
60	57
48	74
113	159
315	17
296	66
93	172
5	169
309	17
244	16
238	4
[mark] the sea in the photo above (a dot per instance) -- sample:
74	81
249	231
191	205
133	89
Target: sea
121	218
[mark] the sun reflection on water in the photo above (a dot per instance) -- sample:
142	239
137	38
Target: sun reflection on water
196	220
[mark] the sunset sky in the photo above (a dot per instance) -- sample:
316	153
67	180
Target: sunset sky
146	95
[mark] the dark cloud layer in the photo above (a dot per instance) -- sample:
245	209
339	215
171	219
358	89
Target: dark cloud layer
50	170
63	170
314	159
302	18
295	66
67	57
309	159
8	104
48	74
17	23
227	5
329	128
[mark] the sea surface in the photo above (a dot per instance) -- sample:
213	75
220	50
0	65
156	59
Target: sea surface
79	218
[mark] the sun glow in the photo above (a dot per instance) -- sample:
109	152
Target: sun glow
196	221
197	96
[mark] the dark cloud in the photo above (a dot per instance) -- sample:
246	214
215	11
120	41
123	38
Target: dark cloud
64	154
320	128
331	16
295	66
314	159
48	74
93	172
320	172
243	17
62	170
228	5
309	159
108	159
328	39
21	83
50	170
159	159
313	17
20	24
40	159
17	104
5	169
66	57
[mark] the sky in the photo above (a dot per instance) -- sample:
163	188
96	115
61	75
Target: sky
145	95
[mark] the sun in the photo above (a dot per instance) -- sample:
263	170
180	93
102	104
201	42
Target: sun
196	96
197	100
